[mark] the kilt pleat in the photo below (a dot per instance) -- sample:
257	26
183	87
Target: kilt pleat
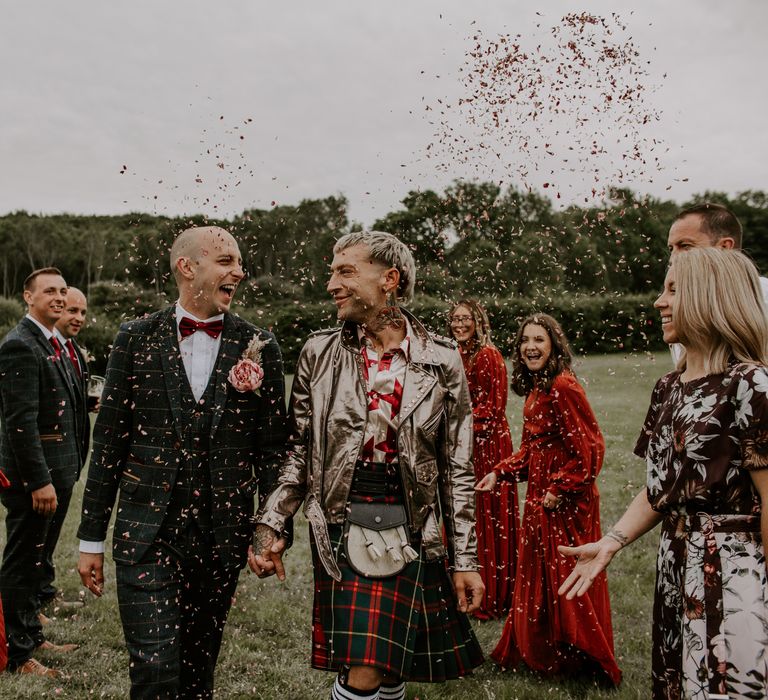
407	625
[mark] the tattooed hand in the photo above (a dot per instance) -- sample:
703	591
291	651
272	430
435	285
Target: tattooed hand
265	556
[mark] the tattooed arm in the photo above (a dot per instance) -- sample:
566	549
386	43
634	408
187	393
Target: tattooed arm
593	558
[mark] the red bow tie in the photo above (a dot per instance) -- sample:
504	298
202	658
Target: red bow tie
187	326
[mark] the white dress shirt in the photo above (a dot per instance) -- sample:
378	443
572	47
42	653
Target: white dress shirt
198	353
47	333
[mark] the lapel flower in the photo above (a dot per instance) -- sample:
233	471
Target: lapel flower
247	374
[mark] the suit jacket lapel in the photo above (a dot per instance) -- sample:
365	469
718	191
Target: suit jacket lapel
67	377
229	354
174	374
78	378
85	374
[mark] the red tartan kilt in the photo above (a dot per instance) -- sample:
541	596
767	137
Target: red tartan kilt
407	625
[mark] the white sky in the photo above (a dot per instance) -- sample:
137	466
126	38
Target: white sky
336	92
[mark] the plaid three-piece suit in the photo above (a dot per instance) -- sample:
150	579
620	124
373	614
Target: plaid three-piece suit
47	591
186	472
44	421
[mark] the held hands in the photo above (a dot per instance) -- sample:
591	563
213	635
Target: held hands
488	482
44	500
469	590
591	559
268	557
91	570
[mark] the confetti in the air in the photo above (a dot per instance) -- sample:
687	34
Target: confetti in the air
543	110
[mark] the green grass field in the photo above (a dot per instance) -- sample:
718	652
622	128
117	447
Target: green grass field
267	640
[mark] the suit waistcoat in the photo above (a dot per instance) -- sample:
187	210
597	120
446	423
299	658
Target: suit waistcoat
191	496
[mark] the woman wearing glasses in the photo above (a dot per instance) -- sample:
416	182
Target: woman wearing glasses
496	513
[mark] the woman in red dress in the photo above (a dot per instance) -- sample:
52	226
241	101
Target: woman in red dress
561	454
496	513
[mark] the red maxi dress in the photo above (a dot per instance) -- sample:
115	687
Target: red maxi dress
496	513
561	452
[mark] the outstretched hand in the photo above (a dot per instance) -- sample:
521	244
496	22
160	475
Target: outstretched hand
265	557
591	559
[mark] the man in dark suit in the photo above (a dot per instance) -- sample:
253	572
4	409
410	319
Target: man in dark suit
41	453
187	431
67	327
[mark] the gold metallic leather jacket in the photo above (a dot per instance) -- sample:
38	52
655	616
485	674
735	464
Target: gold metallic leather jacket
434	439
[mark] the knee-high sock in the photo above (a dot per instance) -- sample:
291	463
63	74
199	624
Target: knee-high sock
392	692
342	691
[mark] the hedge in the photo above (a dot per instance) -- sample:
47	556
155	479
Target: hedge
593	324
11	310
602	324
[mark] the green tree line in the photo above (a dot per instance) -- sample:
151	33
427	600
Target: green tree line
511	249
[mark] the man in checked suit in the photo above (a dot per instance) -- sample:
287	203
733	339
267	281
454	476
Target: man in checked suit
41	453
68	325
187	431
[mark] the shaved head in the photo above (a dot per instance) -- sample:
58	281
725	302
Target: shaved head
206	263
75	311
193	242
75	295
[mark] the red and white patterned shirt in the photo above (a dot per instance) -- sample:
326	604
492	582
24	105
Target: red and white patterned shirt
384	378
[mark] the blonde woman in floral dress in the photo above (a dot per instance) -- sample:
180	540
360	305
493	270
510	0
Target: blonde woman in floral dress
705	442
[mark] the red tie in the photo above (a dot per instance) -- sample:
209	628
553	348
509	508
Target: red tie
188	326
56	345
73	357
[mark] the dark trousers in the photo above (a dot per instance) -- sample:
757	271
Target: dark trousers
173	606
46	590
27	562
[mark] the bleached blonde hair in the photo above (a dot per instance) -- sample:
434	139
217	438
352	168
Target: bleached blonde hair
388	250
719	308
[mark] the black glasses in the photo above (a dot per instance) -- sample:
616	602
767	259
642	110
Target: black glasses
461	319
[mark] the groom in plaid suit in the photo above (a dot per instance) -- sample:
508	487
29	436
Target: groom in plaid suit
187	432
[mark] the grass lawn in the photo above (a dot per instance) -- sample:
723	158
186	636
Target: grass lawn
267	640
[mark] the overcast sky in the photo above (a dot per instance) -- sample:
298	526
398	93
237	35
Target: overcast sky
141	106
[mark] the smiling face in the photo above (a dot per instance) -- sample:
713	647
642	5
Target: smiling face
535	347
358	285
73	317
687	233
45	298
462	325
210	273
665	306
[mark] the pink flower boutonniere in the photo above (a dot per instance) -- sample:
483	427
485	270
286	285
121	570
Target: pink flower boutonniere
247	374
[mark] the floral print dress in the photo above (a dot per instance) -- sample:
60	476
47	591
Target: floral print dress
700	441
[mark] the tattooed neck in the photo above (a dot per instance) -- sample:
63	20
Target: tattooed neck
388	317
